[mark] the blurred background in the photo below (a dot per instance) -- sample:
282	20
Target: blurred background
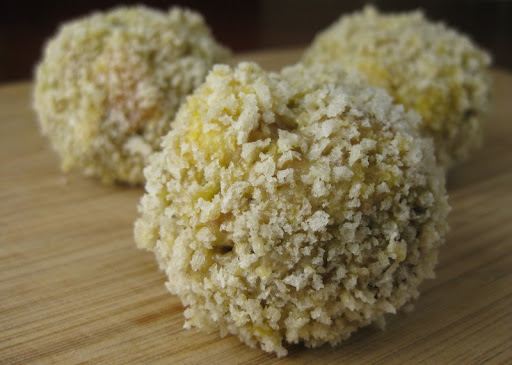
245	25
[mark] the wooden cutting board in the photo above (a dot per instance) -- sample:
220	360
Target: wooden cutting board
74	288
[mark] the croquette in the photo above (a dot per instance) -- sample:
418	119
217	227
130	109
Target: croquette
292	207
425	66
109	85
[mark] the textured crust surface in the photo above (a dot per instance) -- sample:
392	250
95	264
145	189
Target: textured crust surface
291	208
425	66
110	84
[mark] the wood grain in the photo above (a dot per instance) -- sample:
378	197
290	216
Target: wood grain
73	287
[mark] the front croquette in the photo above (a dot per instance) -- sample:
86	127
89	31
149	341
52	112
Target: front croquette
425	66
291	208
109	85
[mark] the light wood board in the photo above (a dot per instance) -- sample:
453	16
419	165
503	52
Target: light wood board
74	288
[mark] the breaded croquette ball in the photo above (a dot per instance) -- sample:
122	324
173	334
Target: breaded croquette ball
109	85
425	66
292	207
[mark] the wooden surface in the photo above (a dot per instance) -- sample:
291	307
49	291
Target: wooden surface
74	288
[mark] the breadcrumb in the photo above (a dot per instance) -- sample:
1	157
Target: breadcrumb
292	207
425	66
109	85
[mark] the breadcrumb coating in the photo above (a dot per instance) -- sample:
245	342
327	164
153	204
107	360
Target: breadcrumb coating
110	84
425	66
292	207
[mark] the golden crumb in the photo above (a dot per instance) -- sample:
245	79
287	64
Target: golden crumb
425	66
292	207
110	84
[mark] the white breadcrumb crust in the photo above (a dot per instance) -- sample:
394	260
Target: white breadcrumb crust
292	207
109	85
425	66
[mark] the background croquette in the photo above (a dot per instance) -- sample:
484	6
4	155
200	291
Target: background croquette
109	85
425	66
